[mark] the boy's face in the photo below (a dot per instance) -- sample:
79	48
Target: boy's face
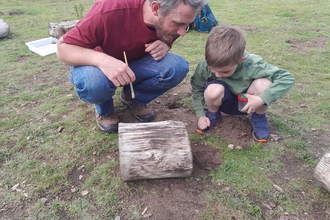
224	72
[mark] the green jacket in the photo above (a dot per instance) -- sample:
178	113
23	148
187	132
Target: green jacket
253	67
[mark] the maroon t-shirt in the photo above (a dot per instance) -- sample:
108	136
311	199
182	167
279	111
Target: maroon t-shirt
113	26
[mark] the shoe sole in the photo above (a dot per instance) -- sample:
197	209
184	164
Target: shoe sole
137	117
114	130
259	140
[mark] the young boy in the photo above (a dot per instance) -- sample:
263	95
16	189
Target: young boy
227	71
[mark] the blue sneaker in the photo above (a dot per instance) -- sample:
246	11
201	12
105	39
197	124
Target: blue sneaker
214	118
260	127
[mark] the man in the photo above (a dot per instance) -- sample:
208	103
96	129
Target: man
145	30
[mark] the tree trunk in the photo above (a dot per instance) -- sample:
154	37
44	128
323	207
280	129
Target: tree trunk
322	172
154	150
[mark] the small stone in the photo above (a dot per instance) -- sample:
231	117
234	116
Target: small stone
4	29
231	146
239	147
117	217
84	193
43	200
272	204
266	206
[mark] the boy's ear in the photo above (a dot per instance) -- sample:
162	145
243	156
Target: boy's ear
242	60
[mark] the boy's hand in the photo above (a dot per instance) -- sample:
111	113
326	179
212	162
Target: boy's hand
203	122
254	103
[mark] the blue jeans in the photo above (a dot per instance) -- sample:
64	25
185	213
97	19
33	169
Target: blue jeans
153	78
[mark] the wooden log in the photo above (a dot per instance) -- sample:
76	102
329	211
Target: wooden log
154	150
322	172
57	30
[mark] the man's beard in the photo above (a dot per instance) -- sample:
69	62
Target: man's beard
162	34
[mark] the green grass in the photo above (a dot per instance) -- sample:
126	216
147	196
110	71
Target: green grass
35	100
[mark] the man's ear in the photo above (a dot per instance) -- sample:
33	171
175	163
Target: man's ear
155	8
242	60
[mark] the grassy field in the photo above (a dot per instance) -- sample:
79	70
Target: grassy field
47	132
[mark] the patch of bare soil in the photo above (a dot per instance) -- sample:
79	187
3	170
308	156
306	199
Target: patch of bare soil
302	46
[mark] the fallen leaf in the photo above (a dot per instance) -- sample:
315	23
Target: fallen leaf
147	215
81	167
15	187
144	211
278	188
60	129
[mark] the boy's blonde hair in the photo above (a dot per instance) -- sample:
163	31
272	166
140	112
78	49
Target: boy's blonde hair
225	46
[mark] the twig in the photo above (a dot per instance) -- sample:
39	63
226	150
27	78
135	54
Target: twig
130	84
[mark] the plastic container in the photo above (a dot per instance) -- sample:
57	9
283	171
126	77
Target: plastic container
242	101
43	47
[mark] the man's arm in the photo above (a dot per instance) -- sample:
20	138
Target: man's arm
116	70
74	55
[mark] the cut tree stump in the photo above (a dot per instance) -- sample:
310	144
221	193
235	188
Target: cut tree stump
154	150
322	171
57	30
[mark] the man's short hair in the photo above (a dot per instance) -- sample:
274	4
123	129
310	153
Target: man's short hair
167	5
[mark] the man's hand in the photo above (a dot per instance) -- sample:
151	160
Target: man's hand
254	103
157	49
117	71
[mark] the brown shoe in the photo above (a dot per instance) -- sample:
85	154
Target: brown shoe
142	113
109	123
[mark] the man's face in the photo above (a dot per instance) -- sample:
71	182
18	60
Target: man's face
174	24
224	72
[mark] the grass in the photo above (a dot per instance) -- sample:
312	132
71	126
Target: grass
36	101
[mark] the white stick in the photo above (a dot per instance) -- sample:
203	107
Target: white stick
130	84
